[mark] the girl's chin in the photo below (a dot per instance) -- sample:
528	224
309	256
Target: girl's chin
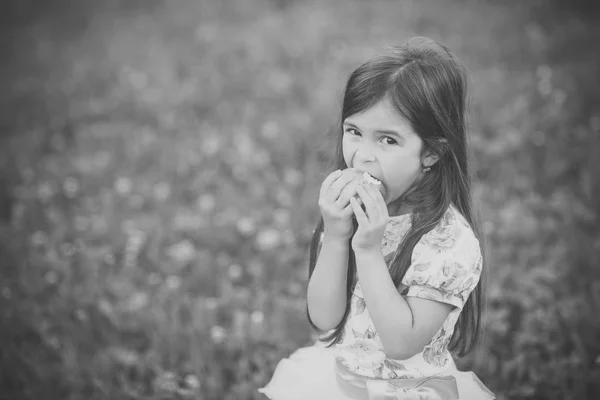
395	207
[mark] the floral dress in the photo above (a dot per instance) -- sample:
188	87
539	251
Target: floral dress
445	266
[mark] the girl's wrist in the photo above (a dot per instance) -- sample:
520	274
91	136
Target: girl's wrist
335	241
368	254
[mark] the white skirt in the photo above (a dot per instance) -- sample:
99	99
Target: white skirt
310	373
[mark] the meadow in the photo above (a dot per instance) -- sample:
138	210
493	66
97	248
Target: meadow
160	163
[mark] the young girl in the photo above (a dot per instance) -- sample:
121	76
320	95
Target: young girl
395	266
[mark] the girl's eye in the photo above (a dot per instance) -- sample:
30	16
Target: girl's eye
389	140
353	132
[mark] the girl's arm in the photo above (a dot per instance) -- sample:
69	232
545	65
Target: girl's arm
405	324
326	295
327	286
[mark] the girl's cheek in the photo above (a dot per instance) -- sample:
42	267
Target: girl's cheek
347	157
347	151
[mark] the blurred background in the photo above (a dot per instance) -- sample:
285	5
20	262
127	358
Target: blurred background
159	166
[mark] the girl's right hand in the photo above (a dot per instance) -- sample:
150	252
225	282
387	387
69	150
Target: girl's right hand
334	202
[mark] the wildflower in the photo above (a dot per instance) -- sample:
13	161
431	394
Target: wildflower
68	249
187	221
39	238
192	381
105	307
124	356
166	382
109	258
270	130
81	315
257	317
235	272
206	203
246	226
162	191
46	190
211	145
53	342
268	239
123	186
292	177
71	187
51	277
133	247
211	303
173	282
182	252
218	334
137	301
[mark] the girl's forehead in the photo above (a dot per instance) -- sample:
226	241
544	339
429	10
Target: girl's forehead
381	116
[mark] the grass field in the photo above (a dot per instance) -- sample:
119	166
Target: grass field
160	165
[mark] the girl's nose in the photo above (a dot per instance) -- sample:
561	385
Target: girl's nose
364	154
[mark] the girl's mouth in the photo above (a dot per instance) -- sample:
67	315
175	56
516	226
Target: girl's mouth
365	177
370	179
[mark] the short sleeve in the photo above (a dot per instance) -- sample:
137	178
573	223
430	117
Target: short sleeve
445	266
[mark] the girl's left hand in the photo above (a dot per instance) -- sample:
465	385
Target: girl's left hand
372	221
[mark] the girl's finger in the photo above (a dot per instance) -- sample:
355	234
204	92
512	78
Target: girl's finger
336	187
370	205
326	185
383	207
361	217
345	201
347	191
347	211
380	201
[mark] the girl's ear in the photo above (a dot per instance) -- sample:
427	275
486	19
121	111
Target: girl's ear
434	152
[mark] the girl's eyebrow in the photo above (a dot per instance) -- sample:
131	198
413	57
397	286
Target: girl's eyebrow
381	131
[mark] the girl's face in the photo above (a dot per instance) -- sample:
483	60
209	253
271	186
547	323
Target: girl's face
381	141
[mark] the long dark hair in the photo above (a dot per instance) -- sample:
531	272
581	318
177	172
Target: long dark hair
428	86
